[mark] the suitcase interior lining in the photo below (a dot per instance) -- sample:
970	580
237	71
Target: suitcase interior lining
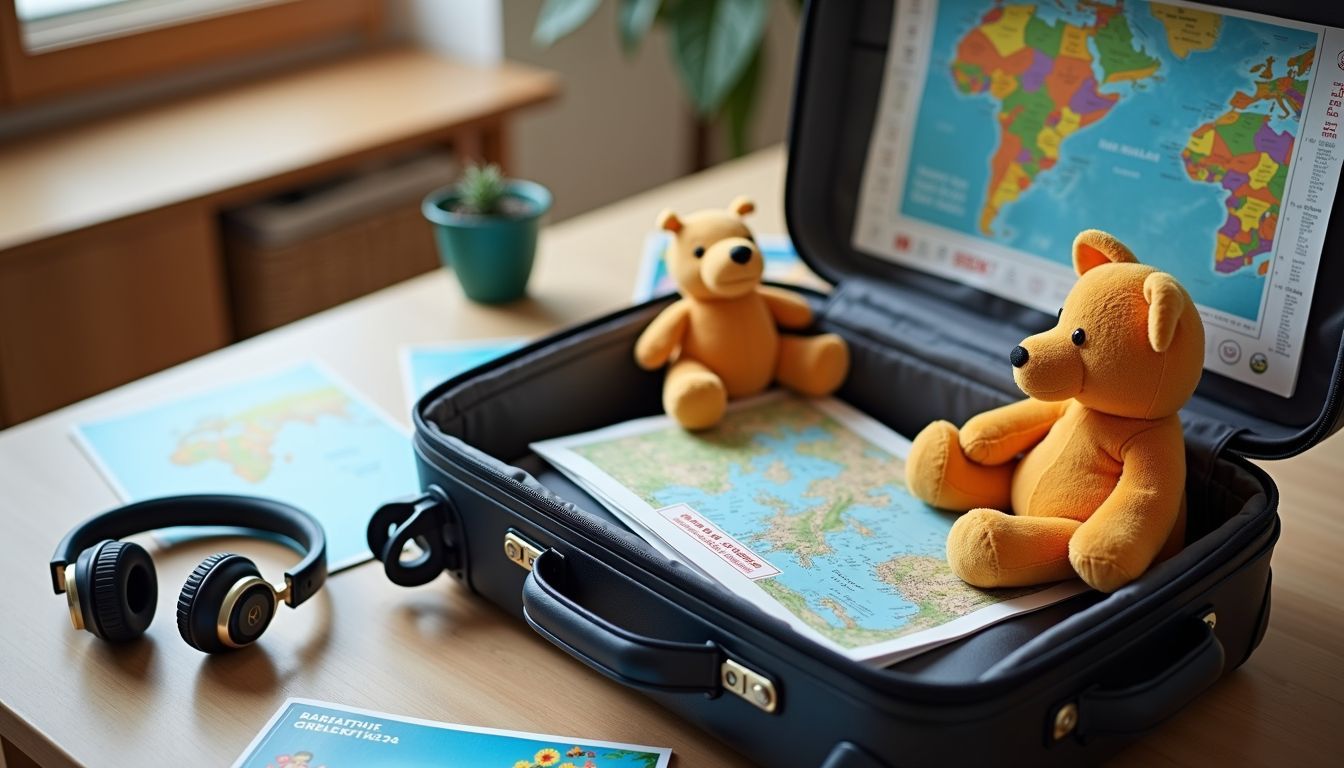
586	379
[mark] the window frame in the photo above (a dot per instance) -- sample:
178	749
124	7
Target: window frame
30	77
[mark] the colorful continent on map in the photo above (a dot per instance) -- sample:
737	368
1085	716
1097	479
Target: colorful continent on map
1188	30
244	441
1242	152
1045	80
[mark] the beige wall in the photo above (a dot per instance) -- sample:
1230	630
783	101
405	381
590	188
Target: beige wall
624	125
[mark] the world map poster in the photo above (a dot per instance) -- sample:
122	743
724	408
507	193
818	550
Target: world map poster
1205	139
800	507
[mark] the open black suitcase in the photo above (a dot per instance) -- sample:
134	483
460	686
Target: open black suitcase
1069	683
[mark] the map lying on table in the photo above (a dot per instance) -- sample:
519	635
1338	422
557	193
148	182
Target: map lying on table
426	366
1205	139
800	507
299	435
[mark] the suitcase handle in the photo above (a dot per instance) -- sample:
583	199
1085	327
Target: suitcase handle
623	656
1141	706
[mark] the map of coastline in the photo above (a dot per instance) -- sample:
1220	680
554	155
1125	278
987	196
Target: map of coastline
1173	127
861	561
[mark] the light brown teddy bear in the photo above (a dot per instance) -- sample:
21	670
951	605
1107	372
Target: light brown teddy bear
722	337
1092	463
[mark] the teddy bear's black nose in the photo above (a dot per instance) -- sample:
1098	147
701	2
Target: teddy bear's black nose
740	253
1018	357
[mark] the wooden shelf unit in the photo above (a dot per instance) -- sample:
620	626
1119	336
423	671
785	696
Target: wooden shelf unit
110	257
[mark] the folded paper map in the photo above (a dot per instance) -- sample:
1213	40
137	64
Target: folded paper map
800	507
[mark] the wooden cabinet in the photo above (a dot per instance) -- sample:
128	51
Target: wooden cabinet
88	311
111	260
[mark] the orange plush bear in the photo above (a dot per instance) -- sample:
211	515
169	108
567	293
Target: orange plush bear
1092	463
723	337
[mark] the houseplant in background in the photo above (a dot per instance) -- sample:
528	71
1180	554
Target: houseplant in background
715	45
485	227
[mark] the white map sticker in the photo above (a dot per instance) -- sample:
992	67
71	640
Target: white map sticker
720	542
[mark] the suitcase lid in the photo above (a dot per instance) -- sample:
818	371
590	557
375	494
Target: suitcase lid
842	62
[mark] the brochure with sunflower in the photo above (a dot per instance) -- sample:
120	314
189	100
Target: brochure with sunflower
315	734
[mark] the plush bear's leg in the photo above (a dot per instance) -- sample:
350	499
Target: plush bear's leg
939	473
1119	541
987	548
812	365
694	395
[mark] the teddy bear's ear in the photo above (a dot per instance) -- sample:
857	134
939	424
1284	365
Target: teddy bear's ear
668	220
742	205
1092	248
1166	303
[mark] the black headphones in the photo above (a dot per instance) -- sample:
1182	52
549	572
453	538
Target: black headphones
112	588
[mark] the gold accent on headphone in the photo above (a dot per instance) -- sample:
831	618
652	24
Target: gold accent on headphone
72	595
231	599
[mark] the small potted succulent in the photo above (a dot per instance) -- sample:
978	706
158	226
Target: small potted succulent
486	230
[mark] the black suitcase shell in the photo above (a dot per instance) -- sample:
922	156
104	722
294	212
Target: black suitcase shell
1069	683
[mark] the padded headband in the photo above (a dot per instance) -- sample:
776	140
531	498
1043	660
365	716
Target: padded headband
259	514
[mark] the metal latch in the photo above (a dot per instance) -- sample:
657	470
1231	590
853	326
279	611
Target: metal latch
756	688
521	551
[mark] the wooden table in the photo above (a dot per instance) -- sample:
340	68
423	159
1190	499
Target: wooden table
437	652
111	264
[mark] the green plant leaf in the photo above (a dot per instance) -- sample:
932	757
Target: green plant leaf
635	18
481	188
713	41
741	103
561	17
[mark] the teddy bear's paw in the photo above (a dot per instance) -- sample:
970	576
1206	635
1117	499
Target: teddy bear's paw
988	548
814	366
971	548
1101	572
937	472
830	364
696	400
927	461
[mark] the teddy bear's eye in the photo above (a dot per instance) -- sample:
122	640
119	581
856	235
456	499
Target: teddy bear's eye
1079	337
699	251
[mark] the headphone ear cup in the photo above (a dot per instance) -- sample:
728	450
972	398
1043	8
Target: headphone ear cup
121	590
224	605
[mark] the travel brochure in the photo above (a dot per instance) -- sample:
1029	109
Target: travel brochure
798	506
313	734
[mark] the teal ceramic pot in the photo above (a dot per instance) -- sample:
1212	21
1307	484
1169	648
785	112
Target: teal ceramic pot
492	255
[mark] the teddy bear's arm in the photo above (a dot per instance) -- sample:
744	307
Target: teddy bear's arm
657	343
788	308
996	436
1122	538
